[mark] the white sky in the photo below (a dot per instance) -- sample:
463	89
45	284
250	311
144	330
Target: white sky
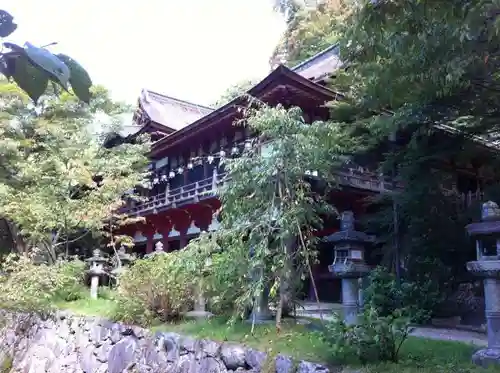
191	50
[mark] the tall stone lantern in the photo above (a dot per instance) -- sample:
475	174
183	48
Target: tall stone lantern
96	272
487	267
349	263
122	261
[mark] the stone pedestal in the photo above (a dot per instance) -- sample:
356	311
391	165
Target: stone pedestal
94	286
490	271
350	305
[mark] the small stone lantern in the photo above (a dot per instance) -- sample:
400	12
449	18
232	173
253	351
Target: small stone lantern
158	250
123	259
487	267
349	263
96	271
200	304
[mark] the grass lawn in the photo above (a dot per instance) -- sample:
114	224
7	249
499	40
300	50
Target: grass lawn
417	355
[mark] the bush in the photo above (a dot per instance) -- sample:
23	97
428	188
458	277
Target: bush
375	338
158	288
27	286
415	301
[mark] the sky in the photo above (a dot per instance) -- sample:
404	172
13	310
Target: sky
191	50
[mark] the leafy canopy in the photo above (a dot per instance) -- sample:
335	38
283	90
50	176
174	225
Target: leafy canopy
428	61
309	31
57	179
268	202
32	67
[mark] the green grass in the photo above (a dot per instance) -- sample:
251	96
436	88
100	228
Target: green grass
294	339
417	355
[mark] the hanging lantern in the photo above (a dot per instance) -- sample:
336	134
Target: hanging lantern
222	153
163	177
156	180
171	174
248	145
210	159
180	170
235	150
190	165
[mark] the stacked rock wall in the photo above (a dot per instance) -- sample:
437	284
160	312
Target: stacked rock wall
68	343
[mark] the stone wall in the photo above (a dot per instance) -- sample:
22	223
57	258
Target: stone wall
67	343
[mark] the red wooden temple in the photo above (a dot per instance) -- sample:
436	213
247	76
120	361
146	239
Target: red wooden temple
182	201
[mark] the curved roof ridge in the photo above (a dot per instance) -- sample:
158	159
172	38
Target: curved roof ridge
177	100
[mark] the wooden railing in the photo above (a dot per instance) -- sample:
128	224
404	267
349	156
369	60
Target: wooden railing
206	188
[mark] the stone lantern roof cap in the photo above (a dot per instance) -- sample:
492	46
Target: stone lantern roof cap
97	257
484	228
349	236
490	224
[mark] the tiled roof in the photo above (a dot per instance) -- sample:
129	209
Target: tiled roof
320	65
170	112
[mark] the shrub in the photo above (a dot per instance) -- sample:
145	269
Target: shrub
416	301
374	338
27	286
158	288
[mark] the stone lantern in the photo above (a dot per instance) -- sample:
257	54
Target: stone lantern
349	263
158	250
96	271
123	259
487	267
200	304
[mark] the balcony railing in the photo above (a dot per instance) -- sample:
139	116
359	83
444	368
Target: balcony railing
194	192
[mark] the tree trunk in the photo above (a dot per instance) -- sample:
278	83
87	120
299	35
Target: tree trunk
287	280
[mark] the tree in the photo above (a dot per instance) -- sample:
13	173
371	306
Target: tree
422	58
270	204
57	182
425	64
32	68
309	31
234	91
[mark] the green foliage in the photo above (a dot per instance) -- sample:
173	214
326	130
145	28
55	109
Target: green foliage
385	296
28	286
158	288
234	91
6	364
269	202
32	68
309	31
57	181
375	338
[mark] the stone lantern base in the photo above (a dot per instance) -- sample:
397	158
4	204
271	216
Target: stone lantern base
487	357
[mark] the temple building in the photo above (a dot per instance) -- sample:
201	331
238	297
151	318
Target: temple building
182	199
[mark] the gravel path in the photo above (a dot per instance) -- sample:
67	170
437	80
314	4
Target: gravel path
442	334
